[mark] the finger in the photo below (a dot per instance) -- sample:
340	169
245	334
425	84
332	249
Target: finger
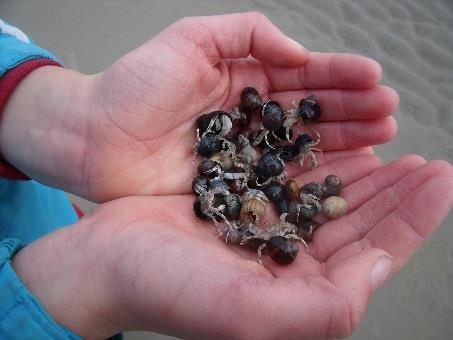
327	71
403	231
367	187
336	104
339	105
358	276
352	134
339	233
235	36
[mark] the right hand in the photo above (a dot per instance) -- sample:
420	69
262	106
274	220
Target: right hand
147	263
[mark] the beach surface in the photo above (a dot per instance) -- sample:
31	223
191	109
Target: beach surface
412	40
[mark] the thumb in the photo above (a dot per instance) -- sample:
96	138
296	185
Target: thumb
358	276
234	36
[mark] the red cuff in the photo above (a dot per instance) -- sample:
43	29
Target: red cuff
78	211
8	83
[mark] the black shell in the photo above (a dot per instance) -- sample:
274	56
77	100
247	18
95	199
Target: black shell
283	206
203	121
197	209
287	152
272	116
209	168
275	192
306	228
297	212
269	165
250	99
309	109
233	207
282	250
332	186
281	133
303	140
197	182
307	213
313	188
209	145
293	215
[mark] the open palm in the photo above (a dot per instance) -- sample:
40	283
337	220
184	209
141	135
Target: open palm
141	124
176	276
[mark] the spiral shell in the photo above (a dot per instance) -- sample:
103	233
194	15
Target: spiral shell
253	211
332	186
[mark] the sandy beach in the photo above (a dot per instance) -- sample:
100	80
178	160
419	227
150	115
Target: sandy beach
412	40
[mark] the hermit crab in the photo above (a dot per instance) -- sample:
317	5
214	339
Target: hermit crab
272	120
283	250
242	176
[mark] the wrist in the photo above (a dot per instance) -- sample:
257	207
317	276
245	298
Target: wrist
43	124
67	276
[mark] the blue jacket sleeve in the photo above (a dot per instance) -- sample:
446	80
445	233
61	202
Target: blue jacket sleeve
28	210
16	48
21	315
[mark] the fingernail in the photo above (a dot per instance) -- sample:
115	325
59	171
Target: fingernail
297	44
380	271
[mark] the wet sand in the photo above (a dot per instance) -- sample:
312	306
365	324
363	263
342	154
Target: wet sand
411	39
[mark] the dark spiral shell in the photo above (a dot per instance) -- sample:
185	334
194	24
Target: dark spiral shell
269	165
250	99
272	116
282	250
309	109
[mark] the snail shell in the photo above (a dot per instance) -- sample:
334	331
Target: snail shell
225	161
253	211
334	207
292	189
332	186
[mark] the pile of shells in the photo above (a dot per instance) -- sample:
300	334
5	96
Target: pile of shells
242	172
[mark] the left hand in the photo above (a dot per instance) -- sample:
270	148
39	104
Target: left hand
130	129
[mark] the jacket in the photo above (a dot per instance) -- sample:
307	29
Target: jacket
28	209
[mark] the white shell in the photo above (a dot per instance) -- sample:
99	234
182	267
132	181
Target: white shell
334	207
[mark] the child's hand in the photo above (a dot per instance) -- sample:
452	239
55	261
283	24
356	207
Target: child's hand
148	263
130	130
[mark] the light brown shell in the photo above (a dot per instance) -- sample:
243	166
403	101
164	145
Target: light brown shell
253	211
225	161
334	207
